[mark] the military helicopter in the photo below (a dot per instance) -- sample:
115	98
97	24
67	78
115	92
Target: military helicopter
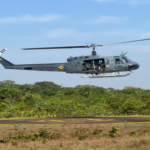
95	65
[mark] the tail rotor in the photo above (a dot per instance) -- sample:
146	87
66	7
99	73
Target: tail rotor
2	51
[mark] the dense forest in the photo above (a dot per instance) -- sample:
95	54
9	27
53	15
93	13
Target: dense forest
47	99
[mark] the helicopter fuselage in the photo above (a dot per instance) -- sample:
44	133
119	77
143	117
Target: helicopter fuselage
92	64
96	64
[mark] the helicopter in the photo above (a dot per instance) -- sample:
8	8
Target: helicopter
95	65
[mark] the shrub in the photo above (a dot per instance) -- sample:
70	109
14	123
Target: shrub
113	132
133	133
145	131
14	143
81	135
97	133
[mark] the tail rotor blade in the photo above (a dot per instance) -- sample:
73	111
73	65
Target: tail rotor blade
2	51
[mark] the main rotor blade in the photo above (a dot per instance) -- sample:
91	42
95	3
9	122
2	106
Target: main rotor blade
123	42
63	47
84	46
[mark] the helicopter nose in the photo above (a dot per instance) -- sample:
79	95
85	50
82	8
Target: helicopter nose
133	66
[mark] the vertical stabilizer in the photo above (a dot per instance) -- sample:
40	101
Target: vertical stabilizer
5	63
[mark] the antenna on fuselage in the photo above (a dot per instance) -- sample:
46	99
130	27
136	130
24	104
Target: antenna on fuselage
121	54
125	53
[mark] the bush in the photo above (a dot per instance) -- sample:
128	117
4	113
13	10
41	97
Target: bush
97	133
14	143
133	133
82	135
113	132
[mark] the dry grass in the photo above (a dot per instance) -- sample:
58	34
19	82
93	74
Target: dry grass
70	140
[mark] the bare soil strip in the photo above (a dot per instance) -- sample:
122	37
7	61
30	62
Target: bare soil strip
83	120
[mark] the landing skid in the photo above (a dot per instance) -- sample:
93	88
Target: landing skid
106	76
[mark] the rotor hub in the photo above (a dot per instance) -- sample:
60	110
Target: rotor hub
94	51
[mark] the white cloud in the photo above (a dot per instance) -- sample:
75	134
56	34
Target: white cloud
62	32
146	35
132	2
99	37
136	48
107	19
136	2
30	18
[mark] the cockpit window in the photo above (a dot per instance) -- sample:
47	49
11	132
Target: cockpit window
125	59
119	61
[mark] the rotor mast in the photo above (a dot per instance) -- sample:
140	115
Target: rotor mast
94	51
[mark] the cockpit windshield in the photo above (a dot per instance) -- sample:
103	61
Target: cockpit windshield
126	59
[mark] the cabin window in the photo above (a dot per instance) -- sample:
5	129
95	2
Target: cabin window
112	62
117	61
75	58
107	61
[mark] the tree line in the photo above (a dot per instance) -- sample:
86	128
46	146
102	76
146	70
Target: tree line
47	99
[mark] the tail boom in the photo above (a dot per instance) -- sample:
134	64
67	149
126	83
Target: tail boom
60	67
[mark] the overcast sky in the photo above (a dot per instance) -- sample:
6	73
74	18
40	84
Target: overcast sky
43	23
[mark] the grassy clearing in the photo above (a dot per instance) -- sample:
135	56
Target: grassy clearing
76	137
